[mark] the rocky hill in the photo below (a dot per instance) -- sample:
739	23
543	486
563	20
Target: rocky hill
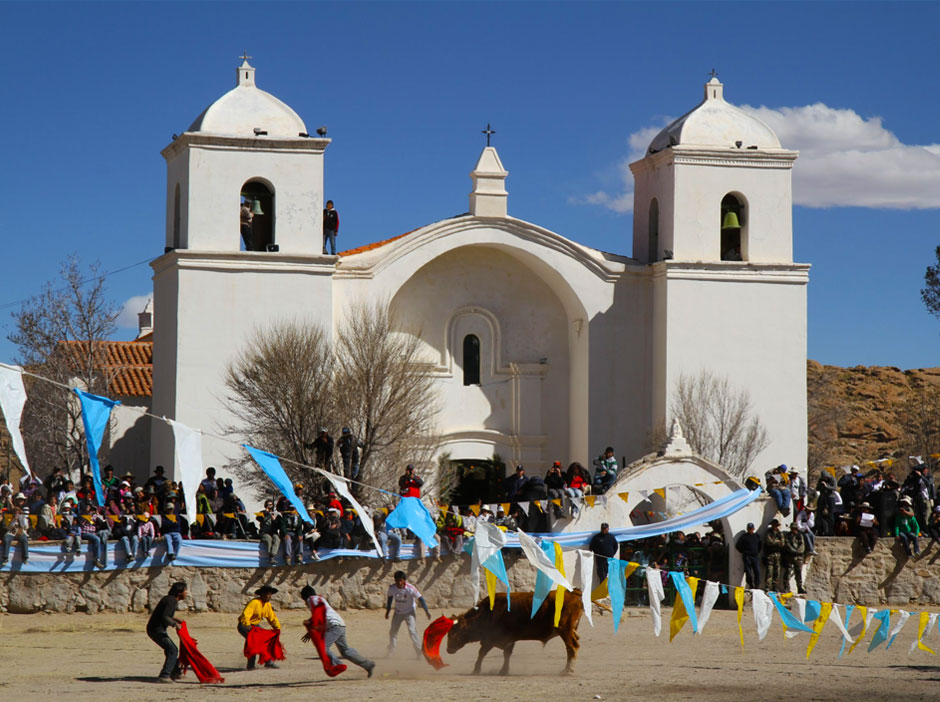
870	412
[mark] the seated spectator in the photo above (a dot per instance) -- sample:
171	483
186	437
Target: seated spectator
89	532
171	529
515	484
578	484
109	479
125	531
146	533
866	526
68	491
87	494
56	482
17	530
605	472
555	482
331	536
805	520
778	487
46	524
850	488
906	528
103	528
70	523
933	525
292	534
450	532
503	520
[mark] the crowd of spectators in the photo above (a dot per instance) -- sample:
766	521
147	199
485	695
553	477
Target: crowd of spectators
867	506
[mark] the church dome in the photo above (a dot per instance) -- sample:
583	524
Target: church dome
715	122
245	108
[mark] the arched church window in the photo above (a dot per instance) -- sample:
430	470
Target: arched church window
733	223
176	217
471	360
256	216
653	240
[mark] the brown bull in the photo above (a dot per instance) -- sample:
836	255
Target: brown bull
501	628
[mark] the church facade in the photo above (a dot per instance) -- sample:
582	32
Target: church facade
543	349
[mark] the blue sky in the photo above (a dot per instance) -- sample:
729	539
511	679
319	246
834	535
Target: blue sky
573	90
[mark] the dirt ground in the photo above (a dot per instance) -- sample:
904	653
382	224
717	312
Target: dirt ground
109	657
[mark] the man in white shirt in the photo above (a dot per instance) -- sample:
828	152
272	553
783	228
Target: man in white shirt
335	632
404	595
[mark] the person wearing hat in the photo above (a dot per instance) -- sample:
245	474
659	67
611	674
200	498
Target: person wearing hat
17	530
778	487
171	530
409	484
605	472
850	487
258	609
749	546
793	547
335	632
906	528
866	526
514	484
348	446
773	557
161	618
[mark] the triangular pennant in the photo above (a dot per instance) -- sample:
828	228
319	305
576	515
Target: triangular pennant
661	492
818	626
625	496
590	499
475	509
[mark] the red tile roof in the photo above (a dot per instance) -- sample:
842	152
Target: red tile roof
374	245
129	363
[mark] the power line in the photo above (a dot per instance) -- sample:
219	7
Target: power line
15	303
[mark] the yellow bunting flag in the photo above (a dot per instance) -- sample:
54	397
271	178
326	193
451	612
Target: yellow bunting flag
661	492
171	517
114	518
679	614
556	502
475	509
628	570
739	600
864	612
538	504
491	587
600	592
625	496
200	518
143	518
590	499
258	514
560	592
58	520
921	628
230	515
824	612
87	518
33	519
505	506
8	517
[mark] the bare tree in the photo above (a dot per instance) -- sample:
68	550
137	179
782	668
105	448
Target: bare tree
61	334
386	395
920	418
930	293
718	421
279	389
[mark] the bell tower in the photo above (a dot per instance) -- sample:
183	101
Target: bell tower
243	249
712	220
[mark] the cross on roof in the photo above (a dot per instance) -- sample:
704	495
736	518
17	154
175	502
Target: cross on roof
489	132
714	73
245	56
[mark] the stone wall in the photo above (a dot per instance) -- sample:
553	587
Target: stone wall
843	573
351	583
839	573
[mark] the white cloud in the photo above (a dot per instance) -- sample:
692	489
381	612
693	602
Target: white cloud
127	319
845	160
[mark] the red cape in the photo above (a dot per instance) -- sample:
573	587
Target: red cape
264	643
433	636
190	657
316	626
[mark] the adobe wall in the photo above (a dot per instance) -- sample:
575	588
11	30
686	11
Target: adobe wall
843	573
837	574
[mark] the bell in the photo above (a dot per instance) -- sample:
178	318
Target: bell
730	221
256	209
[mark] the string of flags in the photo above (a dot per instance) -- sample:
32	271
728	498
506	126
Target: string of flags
810	616
880	463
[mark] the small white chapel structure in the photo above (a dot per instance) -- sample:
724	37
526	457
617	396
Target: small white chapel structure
543	349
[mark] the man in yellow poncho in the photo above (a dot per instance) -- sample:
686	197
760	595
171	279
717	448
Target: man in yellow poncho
259	608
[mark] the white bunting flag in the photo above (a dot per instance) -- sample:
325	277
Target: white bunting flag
12	401
584	579
487	540
342	488
188	445
654	586
763	608
836	618
709	597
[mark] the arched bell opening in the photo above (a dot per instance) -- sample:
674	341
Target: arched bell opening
733	228
257	225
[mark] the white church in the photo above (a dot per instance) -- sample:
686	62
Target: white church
543	349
